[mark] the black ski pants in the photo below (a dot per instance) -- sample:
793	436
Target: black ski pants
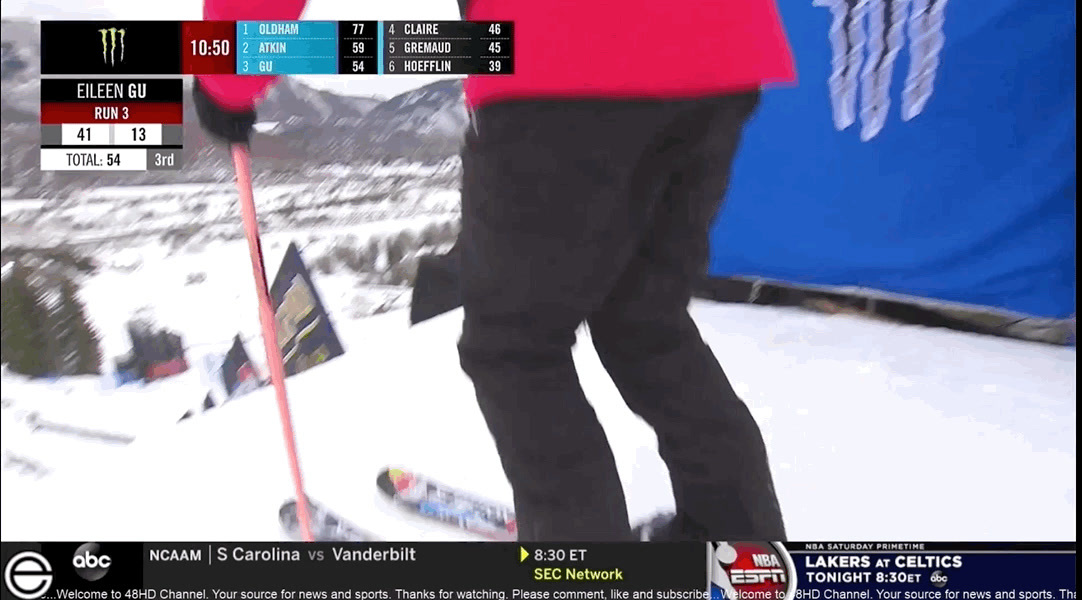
598	211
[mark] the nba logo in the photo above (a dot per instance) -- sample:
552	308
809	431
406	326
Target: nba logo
723	555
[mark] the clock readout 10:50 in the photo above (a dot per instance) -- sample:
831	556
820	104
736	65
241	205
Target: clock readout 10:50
210	47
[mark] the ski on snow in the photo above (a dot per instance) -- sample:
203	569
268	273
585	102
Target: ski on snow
415	495
327	526
436	502
445	504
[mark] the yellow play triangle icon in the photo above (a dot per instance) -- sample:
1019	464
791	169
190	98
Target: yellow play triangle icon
523	554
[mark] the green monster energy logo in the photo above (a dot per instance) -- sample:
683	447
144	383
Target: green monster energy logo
108	45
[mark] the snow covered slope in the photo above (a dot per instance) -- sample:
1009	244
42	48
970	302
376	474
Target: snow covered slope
876	431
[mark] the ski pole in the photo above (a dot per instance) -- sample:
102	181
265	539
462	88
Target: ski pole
241	165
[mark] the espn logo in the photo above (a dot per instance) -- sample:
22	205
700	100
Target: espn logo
768	569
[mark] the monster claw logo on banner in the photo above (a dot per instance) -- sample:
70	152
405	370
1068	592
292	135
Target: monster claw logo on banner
305	334
109	38
871	33
751	570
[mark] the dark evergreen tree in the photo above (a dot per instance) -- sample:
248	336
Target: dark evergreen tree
23	322
72	343
83	341
397	248
58	330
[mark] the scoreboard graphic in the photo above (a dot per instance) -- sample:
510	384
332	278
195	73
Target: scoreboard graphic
112	98
277	48
111	124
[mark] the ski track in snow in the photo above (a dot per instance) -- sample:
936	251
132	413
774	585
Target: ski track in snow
875	431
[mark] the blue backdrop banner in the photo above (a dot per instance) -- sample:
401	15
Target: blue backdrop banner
929	150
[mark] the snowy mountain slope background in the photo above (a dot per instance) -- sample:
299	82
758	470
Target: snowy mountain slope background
875	430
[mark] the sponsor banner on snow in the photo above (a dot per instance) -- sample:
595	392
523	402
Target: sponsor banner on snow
305	334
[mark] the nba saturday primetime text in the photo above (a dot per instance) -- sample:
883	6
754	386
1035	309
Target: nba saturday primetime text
528	571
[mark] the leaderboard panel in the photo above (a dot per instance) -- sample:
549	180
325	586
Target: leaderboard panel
455	47
111	124
277	48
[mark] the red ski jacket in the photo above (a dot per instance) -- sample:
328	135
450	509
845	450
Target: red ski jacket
587	49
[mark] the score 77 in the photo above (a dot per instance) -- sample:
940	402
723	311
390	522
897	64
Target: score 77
358	28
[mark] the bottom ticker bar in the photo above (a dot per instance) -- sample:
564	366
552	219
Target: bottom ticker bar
537	571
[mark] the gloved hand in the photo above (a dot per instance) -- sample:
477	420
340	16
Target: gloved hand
230	127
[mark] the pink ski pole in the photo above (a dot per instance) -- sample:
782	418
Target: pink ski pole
241	165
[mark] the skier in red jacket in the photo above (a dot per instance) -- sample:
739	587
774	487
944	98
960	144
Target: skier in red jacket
590	180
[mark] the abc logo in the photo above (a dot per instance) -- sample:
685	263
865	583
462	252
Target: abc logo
90	562
938	578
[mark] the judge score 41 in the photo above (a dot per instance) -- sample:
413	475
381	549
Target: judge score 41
138	134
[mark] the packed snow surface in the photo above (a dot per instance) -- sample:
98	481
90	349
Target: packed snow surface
876	431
